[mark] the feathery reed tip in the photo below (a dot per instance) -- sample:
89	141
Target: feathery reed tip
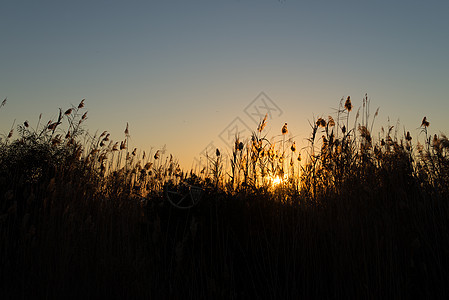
348	104
321	122
263	123
408	137
81	105
425	123
284	129
126	130
53	126
293	147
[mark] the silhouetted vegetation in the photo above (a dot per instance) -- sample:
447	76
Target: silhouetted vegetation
351	215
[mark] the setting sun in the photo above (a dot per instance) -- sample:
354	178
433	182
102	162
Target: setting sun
277	180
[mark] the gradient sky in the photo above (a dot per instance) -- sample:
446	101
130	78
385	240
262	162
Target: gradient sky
180	72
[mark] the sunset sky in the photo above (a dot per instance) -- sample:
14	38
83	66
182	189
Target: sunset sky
186	73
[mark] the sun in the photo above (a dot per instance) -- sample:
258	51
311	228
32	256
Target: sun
276	181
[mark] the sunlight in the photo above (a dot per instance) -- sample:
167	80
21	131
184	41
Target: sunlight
277	180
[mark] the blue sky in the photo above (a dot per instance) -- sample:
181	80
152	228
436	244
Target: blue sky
180	72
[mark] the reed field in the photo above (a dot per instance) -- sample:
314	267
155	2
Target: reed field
354	214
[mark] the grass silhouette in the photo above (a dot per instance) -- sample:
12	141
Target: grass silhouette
350	215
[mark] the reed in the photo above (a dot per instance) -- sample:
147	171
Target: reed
353	214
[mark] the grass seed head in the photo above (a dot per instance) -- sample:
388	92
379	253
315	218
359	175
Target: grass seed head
262	124
364	133
284	129
348	104
81	105
293	147
424	122
126	130
53	126
408	137
321	122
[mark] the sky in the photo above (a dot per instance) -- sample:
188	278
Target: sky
187	74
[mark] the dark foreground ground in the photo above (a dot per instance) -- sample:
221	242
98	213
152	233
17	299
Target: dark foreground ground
363	244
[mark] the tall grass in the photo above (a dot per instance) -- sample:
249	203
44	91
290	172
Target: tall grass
350	215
